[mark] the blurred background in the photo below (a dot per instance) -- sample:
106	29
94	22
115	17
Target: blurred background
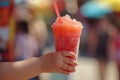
99	52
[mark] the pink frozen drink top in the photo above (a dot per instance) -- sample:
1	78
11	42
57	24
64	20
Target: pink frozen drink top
66	20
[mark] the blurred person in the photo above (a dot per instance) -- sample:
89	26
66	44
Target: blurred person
37	26
86	30
102	45
6	10
88	46
114	44
30	41
96	41
26	45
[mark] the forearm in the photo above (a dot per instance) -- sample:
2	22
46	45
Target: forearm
55	62
20	70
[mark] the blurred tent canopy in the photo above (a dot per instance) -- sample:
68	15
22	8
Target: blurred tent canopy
39	3
39	6
115	5
99	8
45	5
95	9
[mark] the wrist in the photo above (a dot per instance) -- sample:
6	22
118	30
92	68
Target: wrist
41	64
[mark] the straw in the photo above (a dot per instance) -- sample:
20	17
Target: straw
56	9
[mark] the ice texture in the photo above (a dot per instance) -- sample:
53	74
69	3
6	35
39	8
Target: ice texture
67	20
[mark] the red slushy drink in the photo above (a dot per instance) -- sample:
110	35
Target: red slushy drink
67	33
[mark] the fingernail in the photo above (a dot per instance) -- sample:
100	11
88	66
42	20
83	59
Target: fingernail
76	63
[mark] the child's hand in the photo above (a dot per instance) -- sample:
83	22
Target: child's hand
59	62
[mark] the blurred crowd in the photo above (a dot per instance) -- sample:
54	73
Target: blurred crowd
100	38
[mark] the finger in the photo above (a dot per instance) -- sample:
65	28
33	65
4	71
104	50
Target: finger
70	62
68	54
62	71
68	67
